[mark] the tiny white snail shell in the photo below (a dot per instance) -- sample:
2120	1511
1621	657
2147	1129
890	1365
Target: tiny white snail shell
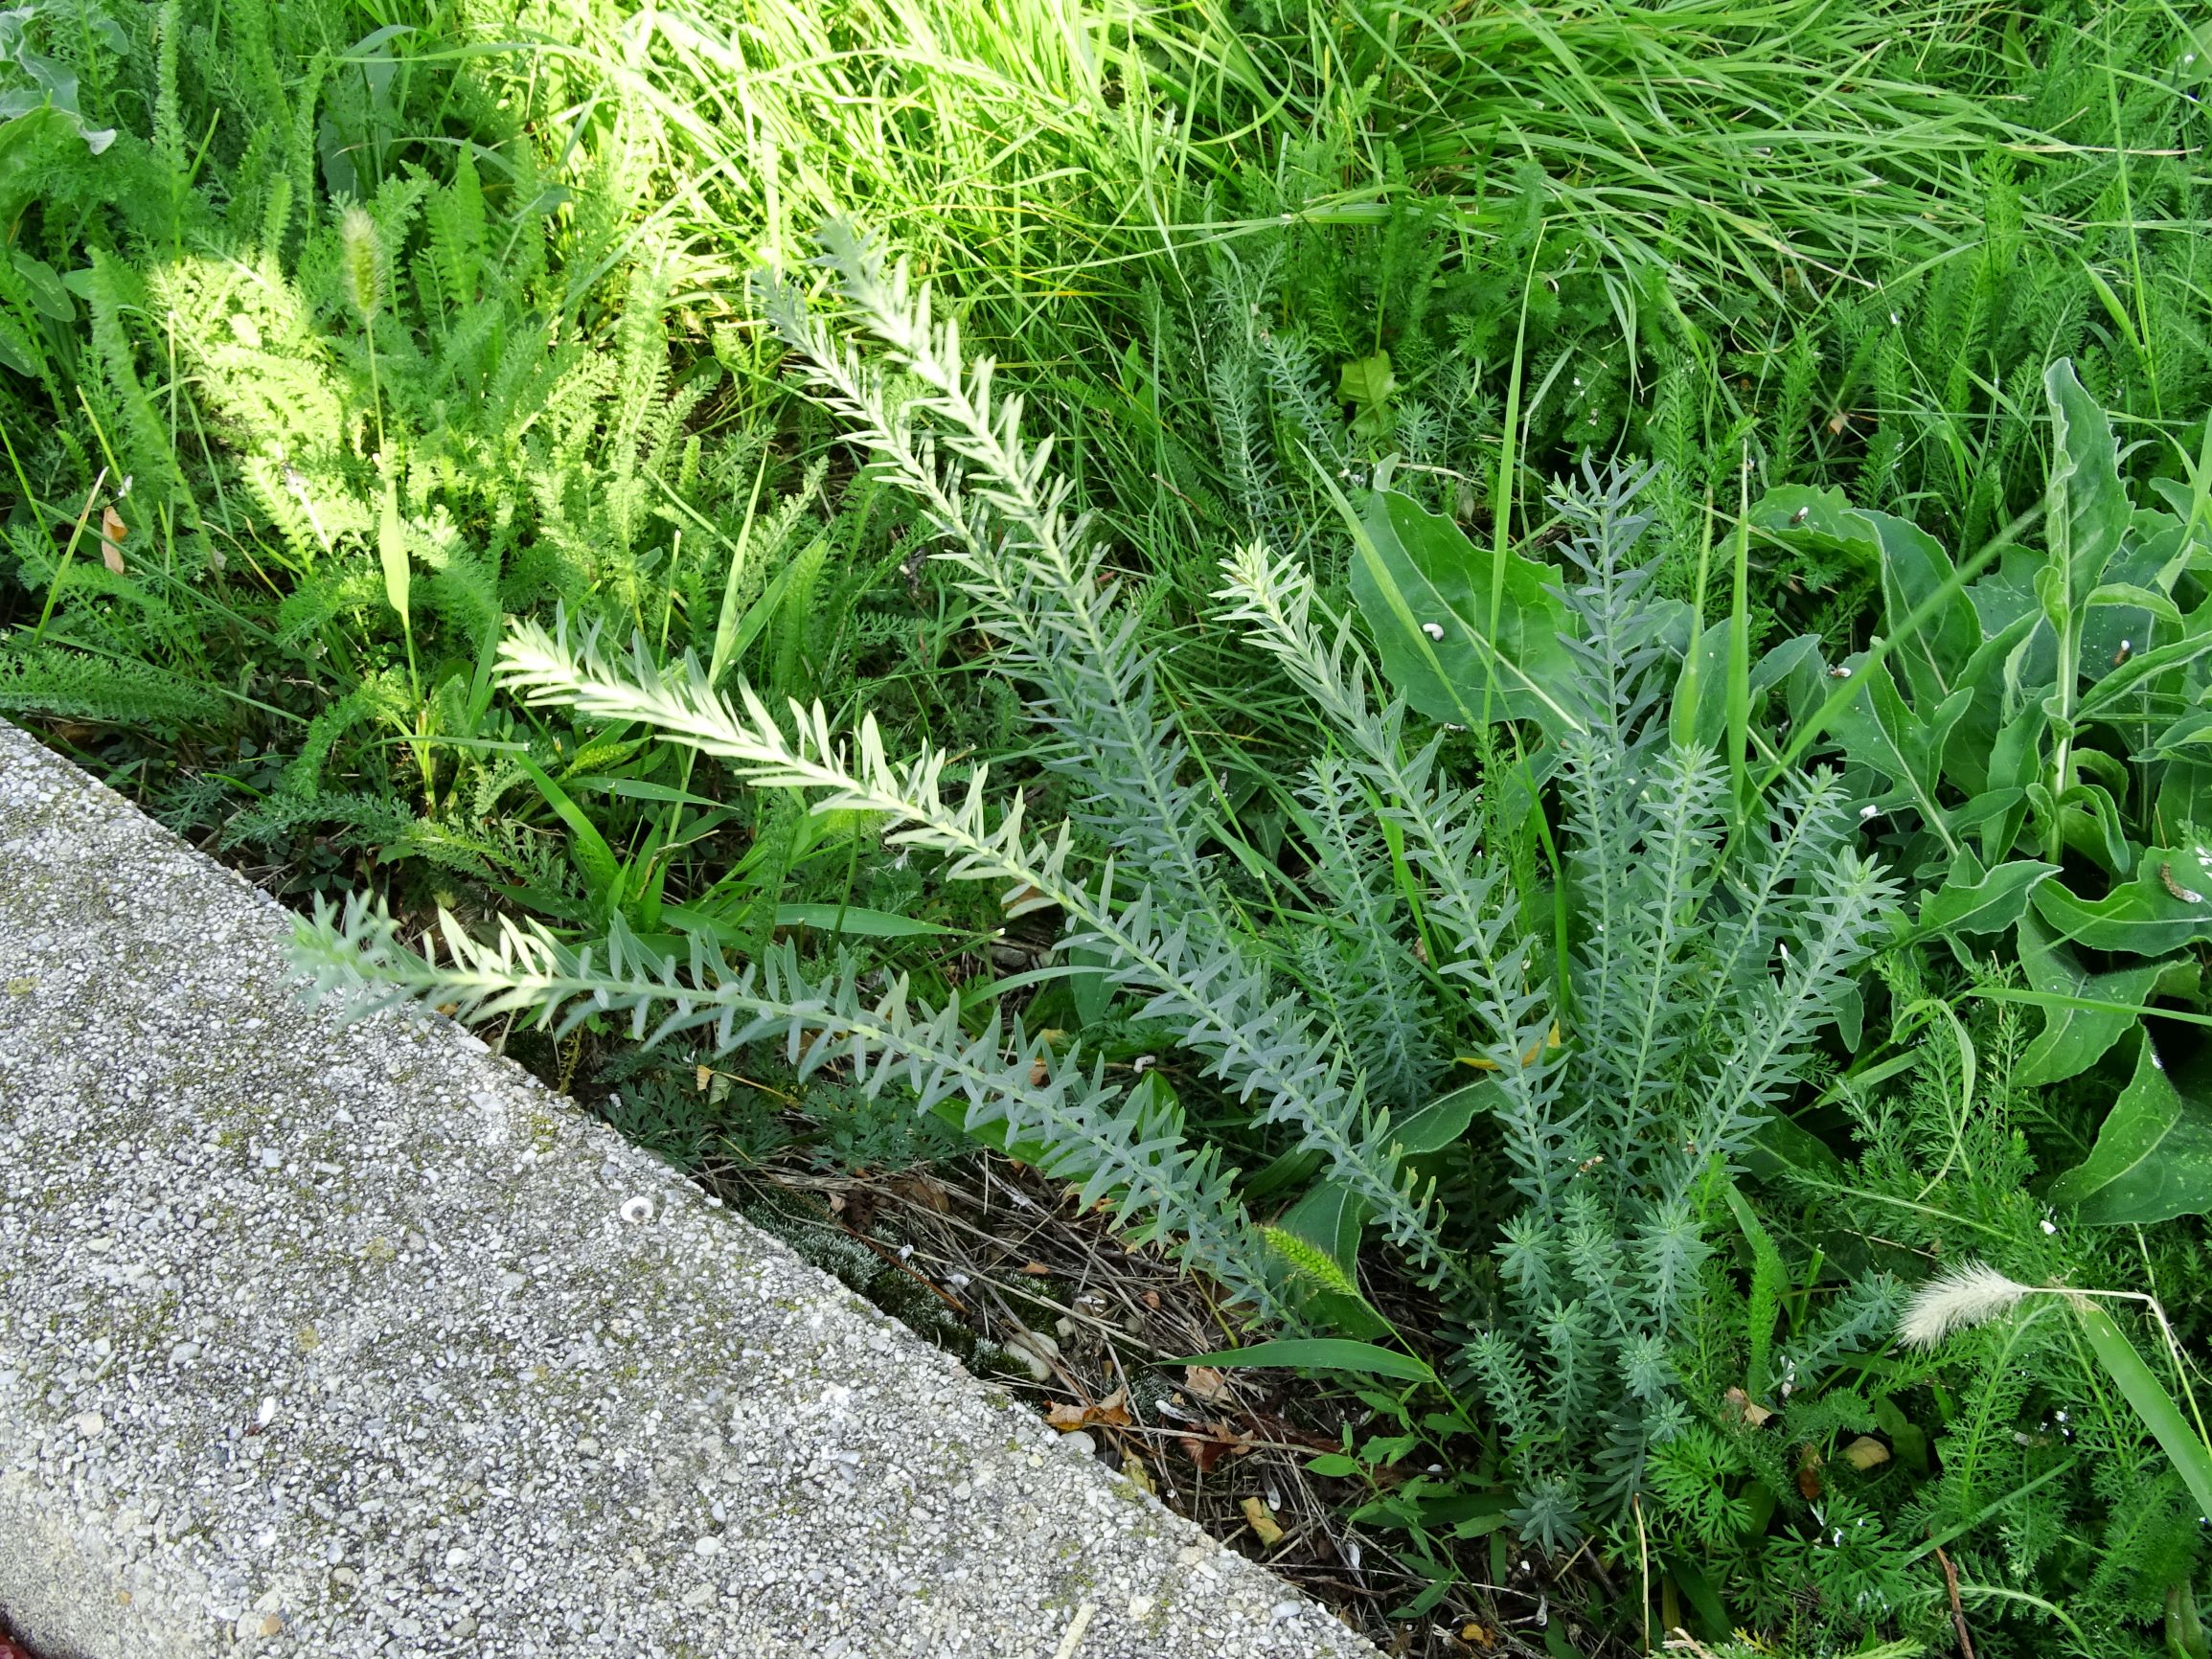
637	1210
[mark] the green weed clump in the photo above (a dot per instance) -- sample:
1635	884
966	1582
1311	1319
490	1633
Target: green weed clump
1565	960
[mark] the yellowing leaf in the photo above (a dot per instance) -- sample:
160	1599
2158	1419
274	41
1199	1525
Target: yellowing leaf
1482	1063
391	549
1865	1453
1367	382
1261	1522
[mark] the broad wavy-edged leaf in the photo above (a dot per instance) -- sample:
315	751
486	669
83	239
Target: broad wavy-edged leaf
2191	732
44	285
1913	568
852	919
1970	753
2102	701
1426	590
2073	1038
1972	900
1782	1144
1700	717
2090	818
1321	1354
2087	505
2166	905
1436	1125
2153	1160
1880	729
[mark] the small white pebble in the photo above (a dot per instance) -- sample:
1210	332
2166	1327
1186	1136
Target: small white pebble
268	1412
709	1545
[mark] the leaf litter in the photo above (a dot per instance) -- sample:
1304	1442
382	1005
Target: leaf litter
1092	1334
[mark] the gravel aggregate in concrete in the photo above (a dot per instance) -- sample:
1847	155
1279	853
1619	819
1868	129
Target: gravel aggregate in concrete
338	1339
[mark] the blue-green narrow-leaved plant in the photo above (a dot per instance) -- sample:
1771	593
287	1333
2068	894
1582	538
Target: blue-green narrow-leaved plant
1704	966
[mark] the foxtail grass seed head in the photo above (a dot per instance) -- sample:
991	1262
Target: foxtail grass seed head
362	259
1961	1299
1308	1261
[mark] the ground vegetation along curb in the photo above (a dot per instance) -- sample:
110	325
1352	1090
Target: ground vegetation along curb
352	1339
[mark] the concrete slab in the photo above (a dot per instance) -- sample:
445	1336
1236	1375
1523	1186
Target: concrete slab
351	1340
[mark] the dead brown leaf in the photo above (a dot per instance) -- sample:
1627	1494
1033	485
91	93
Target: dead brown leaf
1204	1382
1748	1410
1809	1472
112	530
1037	1269
921	1191
1205	1451
1218	1440
1111	1411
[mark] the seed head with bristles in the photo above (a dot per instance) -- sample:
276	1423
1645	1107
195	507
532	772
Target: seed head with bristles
361	260
1961	1299
1308	1261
